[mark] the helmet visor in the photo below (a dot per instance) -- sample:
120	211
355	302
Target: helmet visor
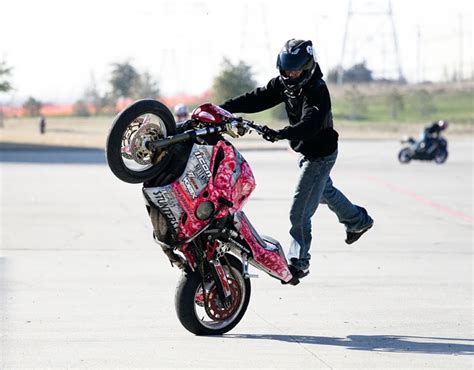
294	62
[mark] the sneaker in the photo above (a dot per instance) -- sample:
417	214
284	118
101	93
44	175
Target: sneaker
297	275
353	236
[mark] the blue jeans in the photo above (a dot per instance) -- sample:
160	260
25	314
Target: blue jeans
315	187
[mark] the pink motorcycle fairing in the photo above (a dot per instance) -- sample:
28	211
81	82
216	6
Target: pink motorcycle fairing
213	172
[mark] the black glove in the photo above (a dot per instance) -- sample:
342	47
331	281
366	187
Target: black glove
270	134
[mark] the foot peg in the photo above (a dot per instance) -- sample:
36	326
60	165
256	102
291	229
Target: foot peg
248	276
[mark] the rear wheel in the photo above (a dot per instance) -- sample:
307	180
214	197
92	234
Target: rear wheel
197	302
126	151
405	155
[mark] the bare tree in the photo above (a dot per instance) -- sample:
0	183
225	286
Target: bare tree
32	107
234	79
5	85
5	73
92	96
124	78
145	87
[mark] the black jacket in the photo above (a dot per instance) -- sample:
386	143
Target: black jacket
433	130
311	131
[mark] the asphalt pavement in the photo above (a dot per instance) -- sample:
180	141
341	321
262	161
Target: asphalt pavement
83	285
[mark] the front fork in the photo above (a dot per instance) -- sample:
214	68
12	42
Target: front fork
222	285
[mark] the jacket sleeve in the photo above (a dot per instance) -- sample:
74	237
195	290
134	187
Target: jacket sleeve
257	100
316	116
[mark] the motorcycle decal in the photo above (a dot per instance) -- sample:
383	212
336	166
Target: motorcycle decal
197	173
222	277
165	200
189	182
267	257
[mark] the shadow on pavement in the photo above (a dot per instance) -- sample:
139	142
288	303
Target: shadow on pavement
378	343
46	154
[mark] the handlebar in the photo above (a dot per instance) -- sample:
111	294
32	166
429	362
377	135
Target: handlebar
192	134
179	138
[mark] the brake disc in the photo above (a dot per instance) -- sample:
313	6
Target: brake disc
138	150
127	137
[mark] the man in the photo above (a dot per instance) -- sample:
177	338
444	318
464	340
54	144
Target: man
310	132
42	125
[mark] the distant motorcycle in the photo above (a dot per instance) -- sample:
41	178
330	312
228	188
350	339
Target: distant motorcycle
432	149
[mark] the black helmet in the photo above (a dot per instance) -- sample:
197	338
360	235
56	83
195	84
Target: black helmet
443	125
296	55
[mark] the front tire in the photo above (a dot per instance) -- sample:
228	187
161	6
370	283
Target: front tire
205	316
126	153
441	155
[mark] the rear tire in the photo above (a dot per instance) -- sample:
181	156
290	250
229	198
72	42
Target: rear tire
191	312
125	131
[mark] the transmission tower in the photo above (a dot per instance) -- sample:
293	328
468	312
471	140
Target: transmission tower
370	37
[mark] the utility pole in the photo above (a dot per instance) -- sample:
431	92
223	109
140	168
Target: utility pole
461	37
395	42
419	77
340	70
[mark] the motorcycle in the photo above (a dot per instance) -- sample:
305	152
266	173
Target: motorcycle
431	149
195	184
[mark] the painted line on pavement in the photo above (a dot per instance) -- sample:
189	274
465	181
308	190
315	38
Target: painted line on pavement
440	207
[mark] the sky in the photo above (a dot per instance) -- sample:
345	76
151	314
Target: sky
58	48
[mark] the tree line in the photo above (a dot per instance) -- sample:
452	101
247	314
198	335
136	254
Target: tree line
125	81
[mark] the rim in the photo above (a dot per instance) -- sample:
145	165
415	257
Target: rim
144	128
210	312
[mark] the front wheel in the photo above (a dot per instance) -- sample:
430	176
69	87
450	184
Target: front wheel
405	155
441	155
197	302
127	155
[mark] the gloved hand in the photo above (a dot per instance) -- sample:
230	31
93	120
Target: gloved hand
270	134
242	130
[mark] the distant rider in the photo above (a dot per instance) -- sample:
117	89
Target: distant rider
181	112
431	133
